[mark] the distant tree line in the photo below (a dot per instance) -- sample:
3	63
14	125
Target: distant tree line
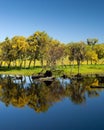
22	51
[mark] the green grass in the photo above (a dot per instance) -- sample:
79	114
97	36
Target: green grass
87	69
84	69
17	71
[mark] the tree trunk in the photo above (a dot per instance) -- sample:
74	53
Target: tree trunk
72	66
42	62
21	62
48	63
9	63
24	63
34	62
15	64
78	63
29	63
91	61
62	62
87	62
1	63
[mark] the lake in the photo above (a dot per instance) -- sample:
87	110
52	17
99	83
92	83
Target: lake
61	104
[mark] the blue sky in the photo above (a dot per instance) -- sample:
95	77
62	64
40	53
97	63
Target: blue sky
64	20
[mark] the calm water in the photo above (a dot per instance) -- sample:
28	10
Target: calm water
63	104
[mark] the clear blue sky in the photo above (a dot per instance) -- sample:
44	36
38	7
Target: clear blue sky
64	20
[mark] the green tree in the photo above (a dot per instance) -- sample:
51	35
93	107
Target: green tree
77	52
92	41
55	52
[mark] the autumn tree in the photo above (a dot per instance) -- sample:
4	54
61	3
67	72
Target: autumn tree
43	43
38	46
19	49
7	52
91	43
1	55
99	49
32	53
90	55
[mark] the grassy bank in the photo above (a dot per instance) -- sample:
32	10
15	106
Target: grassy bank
84	69
18	71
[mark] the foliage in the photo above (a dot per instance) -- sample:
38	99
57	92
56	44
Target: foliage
40	47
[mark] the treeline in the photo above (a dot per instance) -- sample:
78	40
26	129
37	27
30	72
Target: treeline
22	52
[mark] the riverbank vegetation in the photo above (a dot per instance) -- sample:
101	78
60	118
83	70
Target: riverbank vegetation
85	69
40	52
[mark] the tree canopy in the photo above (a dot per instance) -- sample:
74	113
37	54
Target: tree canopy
22	52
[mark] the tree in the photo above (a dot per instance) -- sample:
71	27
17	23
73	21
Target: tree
55	52
32	53
77	52
1	55
38	46
19	49
92	56
92	41
64	54
43	43
99	49
7	52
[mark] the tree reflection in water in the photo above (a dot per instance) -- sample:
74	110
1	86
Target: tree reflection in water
42	95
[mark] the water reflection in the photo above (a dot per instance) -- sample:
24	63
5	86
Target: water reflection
40	95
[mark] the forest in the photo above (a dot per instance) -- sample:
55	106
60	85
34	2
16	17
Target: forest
23	52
